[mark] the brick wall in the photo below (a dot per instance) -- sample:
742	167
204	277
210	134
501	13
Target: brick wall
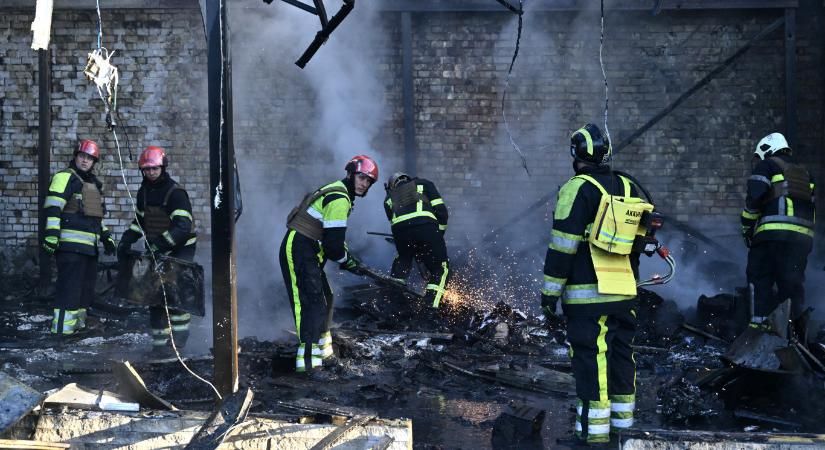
294	129
161	56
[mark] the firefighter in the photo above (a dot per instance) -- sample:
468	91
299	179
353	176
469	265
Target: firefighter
316	231
164	218
778	227
597	289
74	211
418	217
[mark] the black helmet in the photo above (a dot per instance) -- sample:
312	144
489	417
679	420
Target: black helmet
590	145
396	179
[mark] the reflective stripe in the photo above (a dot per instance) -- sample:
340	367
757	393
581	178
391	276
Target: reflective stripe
785	227
594	413
180	317
52	223
184	327
442	227
78	237
335	223
315	213
613	237
411	215
140	213
621	423
316	350
301	349
601	360
751	215
622	407
343	259
54	201
565	242
579	294
191	241
759	178
166	235
293	284
789	202
786	219
326	339
180	213
135	227
440	288
553	286
777	178
436	202
594	430
161	331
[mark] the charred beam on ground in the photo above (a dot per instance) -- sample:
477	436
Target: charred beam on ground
222	421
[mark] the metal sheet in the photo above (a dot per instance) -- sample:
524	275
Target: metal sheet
16	400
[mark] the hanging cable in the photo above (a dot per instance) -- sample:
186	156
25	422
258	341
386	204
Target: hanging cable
105	76
520	13
604	76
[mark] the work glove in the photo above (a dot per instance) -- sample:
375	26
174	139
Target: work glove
548	307
109	245
352	265
50	244
158	245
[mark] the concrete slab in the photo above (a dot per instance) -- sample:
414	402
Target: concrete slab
165	429
704	440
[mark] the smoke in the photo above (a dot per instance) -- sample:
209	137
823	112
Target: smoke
294	131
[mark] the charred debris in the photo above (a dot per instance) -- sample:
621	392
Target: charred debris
398	360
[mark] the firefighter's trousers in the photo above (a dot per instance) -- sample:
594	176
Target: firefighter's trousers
422	243
75	290
605	373
178	319
310	298
782	264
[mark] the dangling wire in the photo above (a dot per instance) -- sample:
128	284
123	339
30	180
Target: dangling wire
520	13
604	75
105	76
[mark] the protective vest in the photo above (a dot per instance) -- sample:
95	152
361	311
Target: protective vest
408	201
306	219
74	209
155	218
789	205
88	201
611	237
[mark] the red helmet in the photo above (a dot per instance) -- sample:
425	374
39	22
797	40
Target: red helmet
88	147
152	157
363	164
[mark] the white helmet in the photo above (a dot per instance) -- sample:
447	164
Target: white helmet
770	144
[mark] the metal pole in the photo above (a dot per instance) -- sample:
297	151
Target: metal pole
410	150
44	152
222	197
790	77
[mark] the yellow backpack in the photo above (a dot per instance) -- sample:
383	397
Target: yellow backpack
617	223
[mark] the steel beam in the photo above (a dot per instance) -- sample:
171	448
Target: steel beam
578	5
222	198
108	4
410	147
44	153
791	117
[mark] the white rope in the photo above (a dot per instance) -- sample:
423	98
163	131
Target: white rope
157	270
604	75
103	76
